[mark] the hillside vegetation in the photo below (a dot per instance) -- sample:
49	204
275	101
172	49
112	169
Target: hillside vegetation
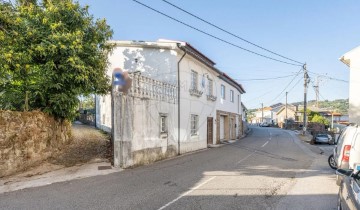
338	105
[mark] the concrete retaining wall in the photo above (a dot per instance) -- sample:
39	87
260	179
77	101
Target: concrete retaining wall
26	138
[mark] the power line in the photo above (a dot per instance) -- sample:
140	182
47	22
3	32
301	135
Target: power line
295	84
257	97
230	33
286	86
271	78
331	78
300	79
213	36
312	82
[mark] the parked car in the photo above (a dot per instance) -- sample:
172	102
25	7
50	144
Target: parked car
349	191
347	149
264	124
323	138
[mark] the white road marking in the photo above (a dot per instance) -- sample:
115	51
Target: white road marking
265	144
245	158
187	192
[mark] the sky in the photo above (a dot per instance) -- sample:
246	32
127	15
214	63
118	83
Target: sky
317	33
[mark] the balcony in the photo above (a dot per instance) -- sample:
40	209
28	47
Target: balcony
211	97
196	92
148	88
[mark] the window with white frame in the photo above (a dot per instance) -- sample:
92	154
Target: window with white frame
222	91
163	123
194	80
194	124
231	95
210	88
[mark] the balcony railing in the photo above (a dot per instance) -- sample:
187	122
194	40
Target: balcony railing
196	92
211	97
148	88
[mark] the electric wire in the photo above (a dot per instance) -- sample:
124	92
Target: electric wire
261	79
313	86
228	32
258	97
286	87
292	88
331	78
213	36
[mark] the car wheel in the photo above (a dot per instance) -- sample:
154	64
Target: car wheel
332	163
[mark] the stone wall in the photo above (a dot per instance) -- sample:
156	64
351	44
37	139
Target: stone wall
27	138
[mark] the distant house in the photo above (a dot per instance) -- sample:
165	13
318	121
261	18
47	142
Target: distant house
352	60
267	114
284	113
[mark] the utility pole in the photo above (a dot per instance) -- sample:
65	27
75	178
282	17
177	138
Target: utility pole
262	113
332	119
317	91
286	107
306	76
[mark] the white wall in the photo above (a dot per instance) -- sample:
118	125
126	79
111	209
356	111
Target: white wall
353	57
200	106
354	88
161	64
226	104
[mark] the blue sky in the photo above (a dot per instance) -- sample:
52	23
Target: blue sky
316	32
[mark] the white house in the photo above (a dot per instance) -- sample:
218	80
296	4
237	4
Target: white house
179	101
352	60
267	114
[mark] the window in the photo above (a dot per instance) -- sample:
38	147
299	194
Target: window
194	124
194	80
163	123
210	88
231	95
222	91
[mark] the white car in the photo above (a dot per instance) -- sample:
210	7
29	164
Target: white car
347	151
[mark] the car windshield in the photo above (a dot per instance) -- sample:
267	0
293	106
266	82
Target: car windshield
322	135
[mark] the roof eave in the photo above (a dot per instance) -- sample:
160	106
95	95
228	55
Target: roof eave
345	61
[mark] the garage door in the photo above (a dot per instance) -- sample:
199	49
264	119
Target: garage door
222	127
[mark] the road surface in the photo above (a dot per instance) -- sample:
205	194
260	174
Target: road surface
269	169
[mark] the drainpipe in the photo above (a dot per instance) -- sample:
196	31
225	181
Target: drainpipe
95	111
178	74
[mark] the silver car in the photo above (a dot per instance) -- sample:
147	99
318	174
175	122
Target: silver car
349	192
323	138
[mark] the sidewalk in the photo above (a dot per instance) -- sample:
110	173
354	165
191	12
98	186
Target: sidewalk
317	180
24	180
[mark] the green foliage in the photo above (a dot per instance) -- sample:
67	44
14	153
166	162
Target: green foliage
320	119
339	105
310	114
50	53
87	102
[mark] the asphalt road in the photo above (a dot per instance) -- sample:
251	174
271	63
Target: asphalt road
269	169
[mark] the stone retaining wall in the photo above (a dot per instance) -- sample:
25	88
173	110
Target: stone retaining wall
27	138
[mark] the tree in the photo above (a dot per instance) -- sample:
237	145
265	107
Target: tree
50	53
310	114
320	119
